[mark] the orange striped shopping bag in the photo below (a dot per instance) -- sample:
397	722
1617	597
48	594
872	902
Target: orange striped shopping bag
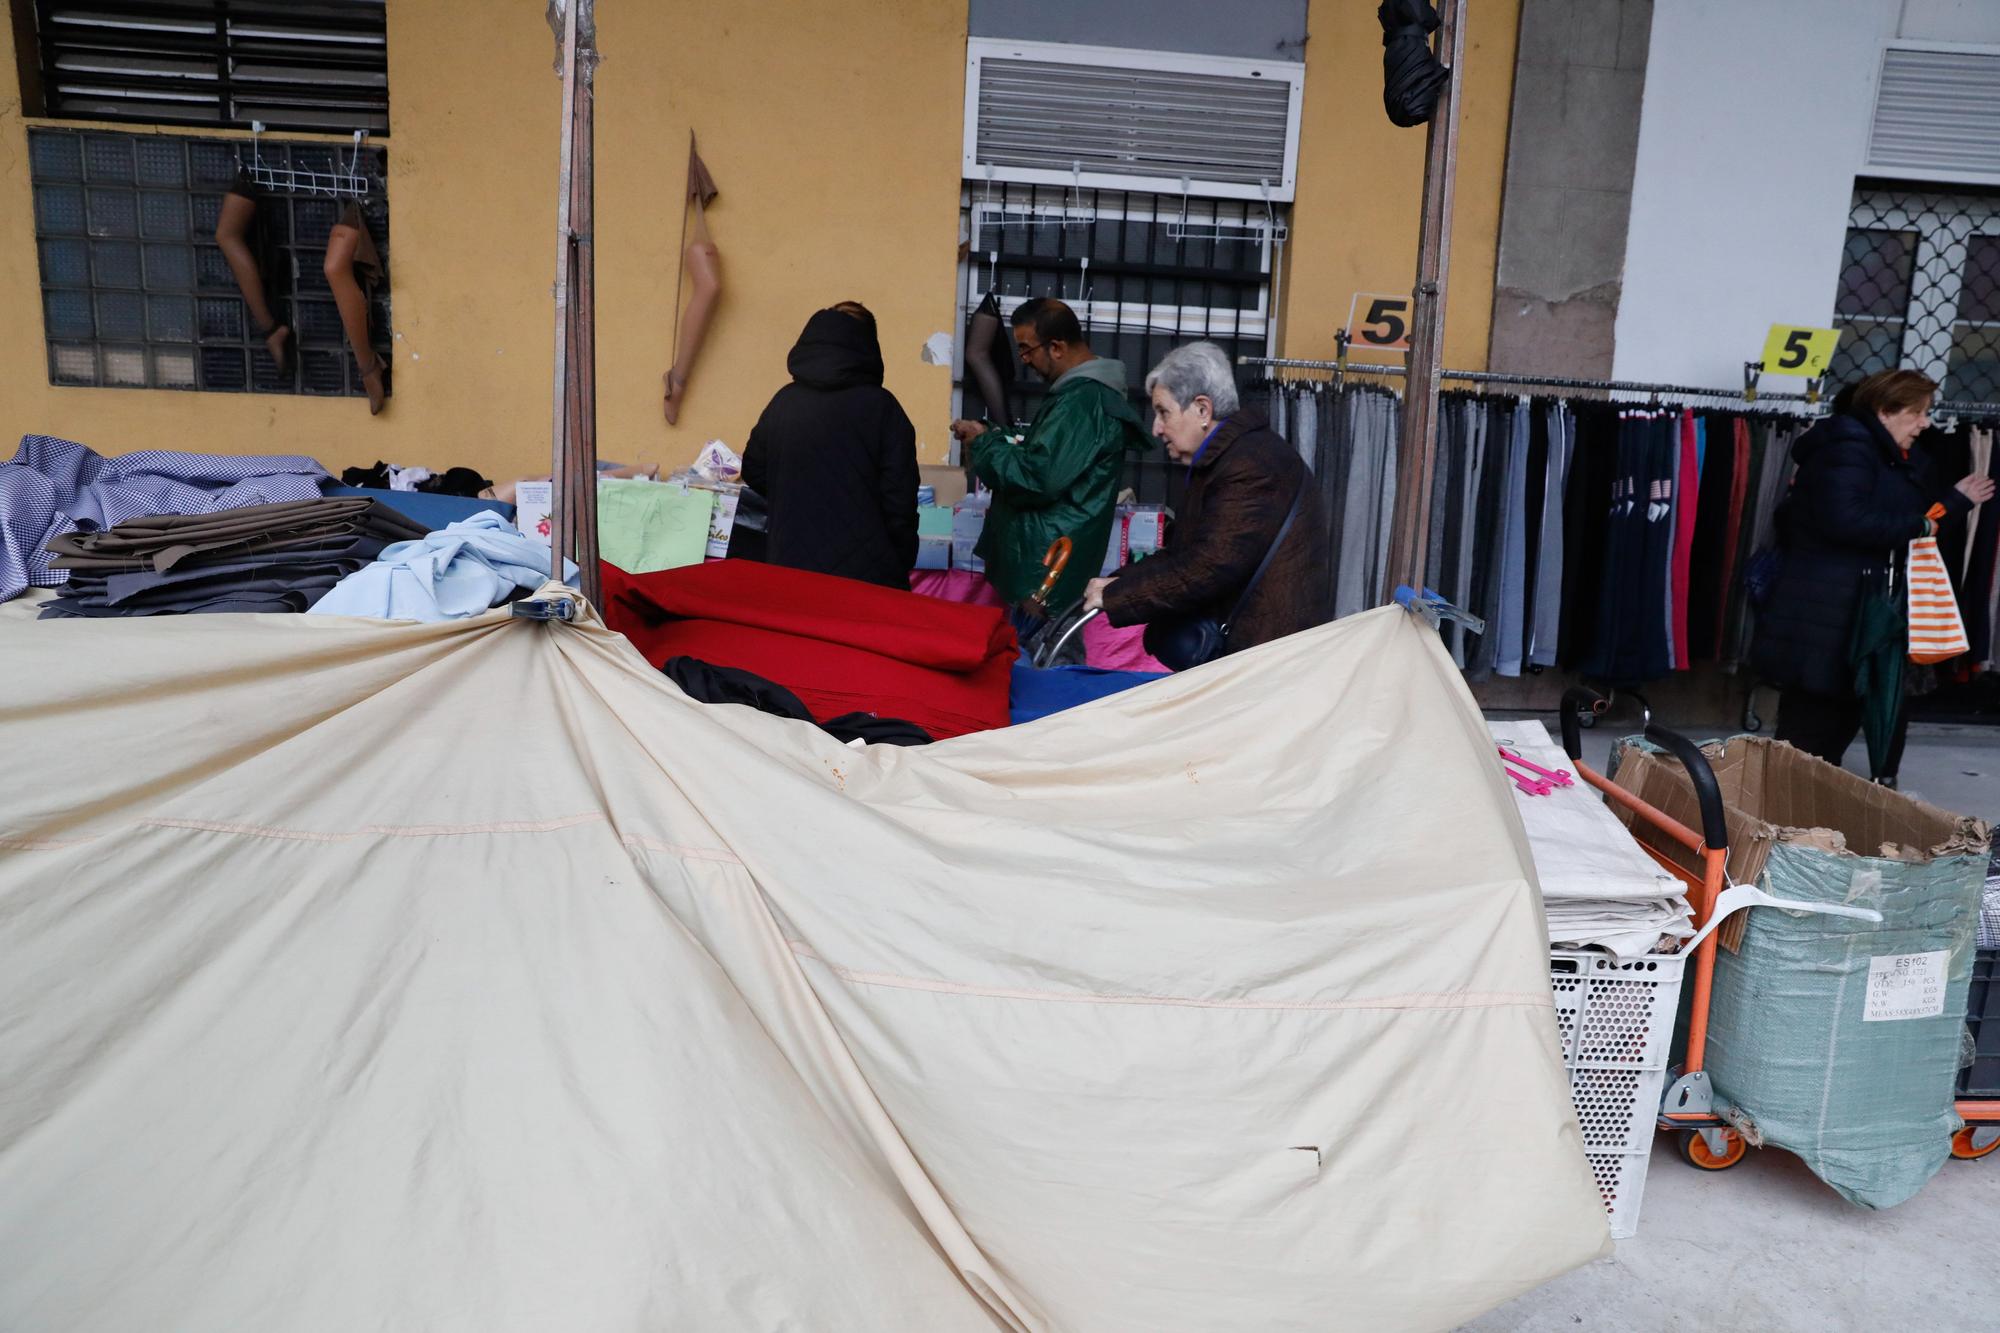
1937	633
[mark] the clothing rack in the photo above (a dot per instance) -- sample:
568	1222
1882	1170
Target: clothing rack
1340	369
1528	381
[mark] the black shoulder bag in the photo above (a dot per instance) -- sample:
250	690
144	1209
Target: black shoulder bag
1188	641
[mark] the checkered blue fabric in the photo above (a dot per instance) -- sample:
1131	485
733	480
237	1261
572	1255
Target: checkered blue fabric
53	486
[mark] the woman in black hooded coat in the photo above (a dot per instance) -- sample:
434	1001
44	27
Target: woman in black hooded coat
835	458
1859	497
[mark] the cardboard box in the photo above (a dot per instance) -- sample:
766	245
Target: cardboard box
533	500
1772	793
1145	531
722	518
968	517
933	537
1137	531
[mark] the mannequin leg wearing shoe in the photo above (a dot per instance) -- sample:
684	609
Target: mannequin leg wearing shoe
232	233
348	248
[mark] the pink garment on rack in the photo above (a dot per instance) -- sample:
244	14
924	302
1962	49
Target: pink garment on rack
1687	493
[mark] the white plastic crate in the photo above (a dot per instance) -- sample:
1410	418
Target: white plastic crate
1617	1024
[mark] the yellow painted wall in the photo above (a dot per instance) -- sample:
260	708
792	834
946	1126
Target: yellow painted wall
1354	223
833	133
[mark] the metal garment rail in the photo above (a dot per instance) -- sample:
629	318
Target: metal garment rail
1945	408
1525	381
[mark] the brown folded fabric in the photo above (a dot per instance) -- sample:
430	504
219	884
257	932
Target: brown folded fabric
160	542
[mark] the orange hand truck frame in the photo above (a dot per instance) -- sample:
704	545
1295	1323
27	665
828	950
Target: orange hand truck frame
1687	1108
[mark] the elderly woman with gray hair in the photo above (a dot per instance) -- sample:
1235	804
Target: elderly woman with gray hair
1245	559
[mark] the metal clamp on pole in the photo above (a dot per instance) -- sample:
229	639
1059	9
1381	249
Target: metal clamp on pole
1436	610
545	608
1813	387
1752	372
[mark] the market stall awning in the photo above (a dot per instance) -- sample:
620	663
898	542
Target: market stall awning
358	974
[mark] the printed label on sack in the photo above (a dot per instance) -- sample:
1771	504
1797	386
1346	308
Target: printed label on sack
1905	985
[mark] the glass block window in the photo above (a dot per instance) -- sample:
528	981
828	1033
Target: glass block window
135	292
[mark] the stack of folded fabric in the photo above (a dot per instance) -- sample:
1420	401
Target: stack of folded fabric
270	557
52	486
841	646
1599	887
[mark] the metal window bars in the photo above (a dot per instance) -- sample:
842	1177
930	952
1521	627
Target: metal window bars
345	180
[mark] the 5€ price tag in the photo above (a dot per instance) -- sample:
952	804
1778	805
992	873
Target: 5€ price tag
1380	321
1797	349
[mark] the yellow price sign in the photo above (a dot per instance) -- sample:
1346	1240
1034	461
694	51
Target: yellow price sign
1797	349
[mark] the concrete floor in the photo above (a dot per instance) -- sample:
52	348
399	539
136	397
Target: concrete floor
1765	1247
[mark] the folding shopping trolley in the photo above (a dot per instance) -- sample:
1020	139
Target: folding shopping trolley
1688	1105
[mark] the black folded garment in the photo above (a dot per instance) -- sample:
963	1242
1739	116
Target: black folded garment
261	558
711	684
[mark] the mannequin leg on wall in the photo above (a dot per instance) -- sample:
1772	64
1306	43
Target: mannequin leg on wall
350	250
232	233
704	266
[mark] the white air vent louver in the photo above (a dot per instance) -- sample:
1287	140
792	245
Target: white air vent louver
1046	113
1937	114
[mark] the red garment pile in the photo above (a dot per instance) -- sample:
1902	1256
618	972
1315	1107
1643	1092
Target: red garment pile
840	645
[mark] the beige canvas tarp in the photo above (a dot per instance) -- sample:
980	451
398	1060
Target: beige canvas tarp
467	976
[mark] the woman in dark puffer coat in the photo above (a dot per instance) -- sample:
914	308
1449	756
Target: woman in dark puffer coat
835	458
1857	500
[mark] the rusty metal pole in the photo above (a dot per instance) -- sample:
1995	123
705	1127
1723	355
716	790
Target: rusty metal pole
1409	541
583	309
573	427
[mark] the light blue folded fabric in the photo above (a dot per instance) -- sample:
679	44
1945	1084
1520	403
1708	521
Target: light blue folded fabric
461	570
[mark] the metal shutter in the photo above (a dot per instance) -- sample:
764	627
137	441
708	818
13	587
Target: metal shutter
1937	115
306	64
1045	114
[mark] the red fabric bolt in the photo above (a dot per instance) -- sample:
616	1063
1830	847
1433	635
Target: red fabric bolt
923	631
840	645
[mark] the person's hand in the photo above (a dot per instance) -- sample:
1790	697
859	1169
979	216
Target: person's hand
967	431
1093	594
1977	489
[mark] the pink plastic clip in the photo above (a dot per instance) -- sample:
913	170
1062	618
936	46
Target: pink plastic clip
1558	777
1532	785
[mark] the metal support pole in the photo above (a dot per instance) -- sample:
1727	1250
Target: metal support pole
573	426
1417	456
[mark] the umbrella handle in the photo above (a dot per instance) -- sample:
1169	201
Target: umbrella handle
1055	560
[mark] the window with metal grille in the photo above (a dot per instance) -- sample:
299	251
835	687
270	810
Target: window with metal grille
1144	273
291	64
1920	287
135	292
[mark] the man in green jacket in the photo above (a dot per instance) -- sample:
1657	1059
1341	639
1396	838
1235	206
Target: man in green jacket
1061	478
